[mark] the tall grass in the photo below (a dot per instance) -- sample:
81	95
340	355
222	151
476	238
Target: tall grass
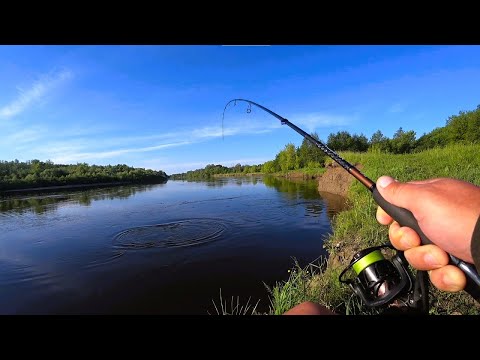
357	228
234	307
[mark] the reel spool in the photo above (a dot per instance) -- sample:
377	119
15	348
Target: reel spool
379	281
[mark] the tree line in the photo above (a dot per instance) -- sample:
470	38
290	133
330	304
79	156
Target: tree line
461	128
211	170
35	173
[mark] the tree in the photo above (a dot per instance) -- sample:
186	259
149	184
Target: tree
342	140
379	142
270	167
359	143
308	152
403	141
287	158
238	168
36	166
377	137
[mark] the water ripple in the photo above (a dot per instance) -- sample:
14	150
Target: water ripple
176	234
105	260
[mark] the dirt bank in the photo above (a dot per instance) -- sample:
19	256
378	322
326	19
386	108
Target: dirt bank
336	180
298	175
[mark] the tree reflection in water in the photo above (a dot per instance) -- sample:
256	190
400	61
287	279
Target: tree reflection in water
44	202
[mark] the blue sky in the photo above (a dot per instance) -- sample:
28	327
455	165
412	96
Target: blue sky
160	107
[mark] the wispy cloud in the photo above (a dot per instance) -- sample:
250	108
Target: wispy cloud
24	136
312	121
73	144
71	157
88	149
396	108
240	129
34	93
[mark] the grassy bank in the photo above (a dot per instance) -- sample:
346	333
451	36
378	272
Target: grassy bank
311	172
357	228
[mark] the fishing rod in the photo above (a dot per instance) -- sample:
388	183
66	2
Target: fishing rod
403	216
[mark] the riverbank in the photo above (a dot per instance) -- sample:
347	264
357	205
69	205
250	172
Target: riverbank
35	174
66	187
61	187
304	174
336	180
356	228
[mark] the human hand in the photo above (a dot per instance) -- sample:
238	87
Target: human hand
446	210
309	308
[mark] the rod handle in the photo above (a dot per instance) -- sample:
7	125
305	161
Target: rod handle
405	218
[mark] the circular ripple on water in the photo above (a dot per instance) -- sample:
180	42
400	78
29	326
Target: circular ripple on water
182	233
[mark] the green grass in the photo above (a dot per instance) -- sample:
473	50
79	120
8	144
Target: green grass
312	171
357	228
312	283
309	171
234	307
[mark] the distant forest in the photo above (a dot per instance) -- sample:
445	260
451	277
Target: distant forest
36	173
462	128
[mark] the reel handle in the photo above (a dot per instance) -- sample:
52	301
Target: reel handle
405	218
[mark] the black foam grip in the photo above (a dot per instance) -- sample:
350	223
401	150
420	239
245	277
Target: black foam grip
405	218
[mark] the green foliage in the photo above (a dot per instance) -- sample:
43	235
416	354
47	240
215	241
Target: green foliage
36	173
298	288
377	138
462	128
212	170
235	307
403	141
270	167
342	140
287	158
308	154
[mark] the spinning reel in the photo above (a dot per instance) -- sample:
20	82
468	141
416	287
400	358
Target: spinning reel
383	282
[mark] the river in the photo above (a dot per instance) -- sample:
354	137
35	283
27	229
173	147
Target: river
174	248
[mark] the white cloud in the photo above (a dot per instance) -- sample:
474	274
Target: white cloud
77	144
217	131
36	92
396	108
311	121
88	149
72	156
24	136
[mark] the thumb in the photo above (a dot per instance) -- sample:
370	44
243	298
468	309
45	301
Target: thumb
397	193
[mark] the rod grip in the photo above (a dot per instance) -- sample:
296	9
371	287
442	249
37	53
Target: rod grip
405	218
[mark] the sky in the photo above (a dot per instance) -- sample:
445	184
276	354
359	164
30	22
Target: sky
161	106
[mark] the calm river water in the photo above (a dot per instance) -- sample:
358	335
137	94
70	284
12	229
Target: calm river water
157	249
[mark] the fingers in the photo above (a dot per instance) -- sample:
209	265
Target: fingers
397	193
382	217
448	278
427	257
402	237
309	308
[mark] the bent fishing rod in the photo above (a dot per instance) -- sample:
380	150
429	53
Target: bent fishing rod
403	216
